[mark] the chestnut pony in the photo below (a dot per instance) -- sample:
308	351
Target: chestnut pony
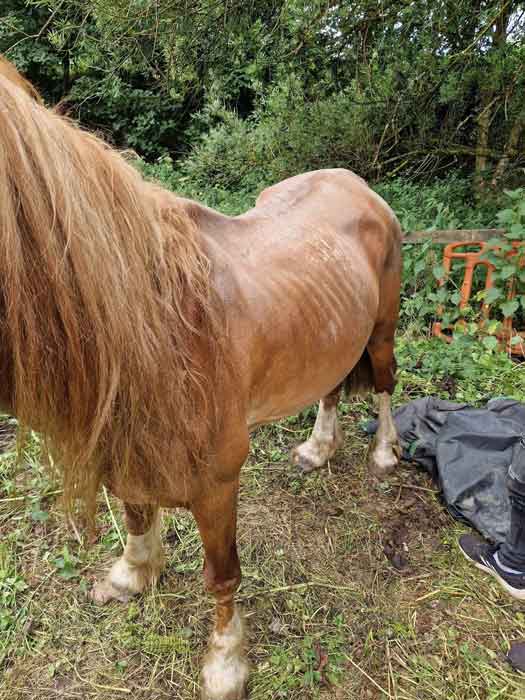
145	336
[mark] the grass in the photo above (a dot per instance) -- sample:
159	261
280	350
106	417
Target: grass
329	615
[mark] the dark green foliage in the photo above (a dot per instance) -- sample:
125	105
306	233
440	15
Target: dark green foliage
286	135
22	38
283	86
443	203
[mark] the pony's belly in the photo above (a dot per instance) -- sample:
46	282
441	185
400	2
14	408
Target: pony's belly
299	376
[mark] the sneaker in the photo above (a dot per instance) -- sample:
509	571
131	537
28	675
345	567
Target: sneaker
485	557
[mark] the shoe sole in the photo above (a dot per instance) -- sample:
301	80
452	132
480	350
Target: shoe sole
514	592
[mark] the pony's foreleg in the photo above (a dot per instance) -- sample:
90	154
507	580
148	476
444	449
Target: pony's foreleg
325	439
225	669
141	563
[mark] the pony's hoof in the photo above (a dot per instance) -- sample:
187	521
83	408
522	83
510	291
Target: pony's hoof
124	581
304	462
104	591
383	459
231	686
317	450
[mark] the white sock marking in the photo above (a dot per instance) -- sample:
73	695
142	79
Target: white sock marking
383	457
225	670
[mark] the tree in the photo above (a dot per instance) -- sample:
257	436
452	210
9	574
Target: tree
435	84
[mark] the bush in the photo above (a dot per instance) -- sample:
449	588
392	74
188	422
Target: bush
446	203
211	195
285	136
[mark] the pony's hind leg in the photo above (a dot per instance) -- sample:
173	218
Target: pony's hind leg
385	452
325	439
140	564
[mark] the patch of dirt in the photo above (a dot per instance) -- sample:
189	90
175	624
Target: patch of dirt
412	520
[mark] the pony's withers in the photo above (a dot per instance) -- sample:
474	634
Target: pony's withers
106	309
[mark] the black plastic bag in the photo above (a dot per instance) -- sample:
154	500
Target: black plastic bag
468	450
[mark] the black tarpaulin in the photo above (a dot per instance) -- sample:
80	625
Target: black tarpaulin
468	450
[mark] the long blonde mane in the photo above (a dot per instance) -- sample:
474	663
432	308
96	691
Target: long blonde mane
109	331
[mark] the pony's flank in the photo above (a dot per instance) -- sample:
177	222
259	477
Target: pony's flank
106	307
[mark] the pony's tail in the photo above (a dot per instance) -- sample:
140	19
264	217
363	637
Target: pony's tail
361	378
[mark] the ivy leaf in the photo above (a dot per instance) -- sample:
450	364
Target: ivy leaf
490	342
509	307
516	340
492	258
419	267
492	326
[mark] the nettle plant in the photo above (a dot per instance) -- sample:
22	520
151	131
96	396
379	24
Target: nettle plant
506	297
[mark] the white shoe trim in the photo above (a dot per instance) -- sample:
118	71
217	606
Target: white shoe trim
507	569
